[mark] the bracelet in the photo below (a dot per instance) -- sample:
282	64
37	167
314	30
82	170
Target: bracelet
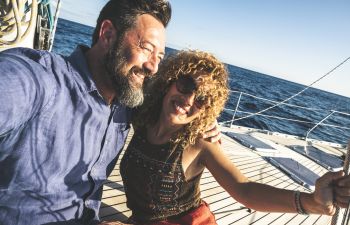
297	202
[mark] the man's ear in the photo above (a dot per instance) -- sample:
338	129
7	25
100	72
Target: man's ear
107	34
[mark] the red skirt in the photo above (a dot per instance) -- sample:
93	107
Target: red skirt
199	216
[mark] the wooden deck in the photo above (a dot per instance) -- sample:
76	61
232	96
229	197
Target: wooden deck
225	208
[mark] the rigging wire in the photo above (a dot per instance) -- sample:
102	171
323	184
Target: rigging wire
293	96
293	120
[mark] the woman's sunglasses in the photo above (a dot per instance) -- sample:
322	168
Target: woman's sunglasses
187	85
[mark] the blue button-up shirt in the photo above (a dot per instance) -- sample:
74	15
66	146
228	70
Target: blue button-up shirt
59	140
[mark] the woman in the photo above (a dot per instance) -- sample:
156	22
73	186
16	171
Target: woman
165	159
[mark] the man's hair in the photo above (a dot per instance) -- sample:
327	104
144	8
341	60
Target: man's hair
123	14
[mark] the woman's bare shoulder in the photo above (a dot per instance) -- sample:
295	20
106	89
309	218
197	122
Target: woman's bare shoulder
207	149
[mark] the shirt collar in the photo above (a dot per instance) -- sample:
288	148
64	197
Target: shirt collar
78	61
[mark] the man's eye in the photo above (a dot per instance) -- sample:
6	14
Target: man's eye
161	57
147	49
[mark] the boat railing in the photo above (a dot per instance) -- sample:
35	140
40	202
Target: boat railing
251	114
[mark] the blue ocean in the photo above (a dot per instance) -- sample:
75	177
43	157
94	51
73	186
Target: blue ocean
313	104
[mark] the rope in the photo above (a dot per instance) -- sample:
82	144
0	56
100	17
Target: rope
268	100
293	96
13	17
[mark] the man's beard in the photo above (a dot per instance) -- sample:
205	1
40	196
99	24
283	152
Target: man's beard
115	63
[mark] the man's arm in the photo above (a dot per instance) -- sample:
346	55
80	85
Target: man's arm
21	91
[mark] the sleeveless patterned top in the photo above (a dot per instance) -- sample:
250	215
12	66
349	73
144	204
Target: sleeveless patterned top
154	181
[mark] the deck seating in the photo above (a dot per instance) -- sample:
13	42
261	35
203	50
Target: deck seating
295	171
250	142
328	161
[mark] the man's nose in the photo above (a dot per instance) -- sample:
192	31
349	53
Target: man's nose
152	64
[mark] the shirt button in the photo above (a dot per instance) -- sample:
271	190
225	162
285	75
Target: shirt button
93	172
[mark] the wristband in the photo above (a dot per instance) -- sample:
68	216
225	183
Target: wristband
297	202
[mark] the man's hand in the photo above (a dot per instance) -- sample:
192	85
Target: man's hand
213	133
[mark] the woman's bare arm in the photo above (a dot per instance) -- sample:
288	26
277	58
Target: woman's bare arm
263	197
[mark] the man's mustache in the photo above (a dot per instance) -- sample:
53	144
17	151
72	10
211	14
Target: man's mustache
143	71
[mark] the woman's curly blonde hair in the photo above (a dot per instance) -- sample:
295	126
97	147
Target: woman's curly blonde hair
187	63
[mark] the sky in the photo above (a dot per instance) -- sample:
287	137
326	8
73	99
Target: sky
296	40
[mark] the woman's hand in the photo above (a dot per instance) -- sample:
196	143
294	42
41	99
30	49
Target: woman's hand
342	191
332	189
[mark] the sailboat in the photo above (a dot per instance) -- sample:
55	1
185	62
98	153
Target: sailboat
281	160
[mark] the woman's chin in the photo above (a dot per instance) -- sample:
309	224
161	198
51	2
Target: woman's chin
178	119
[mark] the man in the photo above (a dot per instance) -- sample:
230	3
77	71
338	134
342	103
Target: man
63	121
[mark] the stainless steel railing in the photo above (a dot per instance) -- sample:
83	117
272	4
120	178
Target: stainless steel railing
260	113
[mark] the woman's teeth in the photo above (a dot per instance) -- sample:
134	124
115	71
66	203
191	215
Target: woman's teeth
180	109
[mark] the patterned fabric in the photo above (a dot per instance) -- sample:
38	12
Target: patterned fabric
154	181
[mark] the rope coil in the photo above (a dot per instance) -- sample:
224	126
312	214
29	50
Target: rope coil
13	18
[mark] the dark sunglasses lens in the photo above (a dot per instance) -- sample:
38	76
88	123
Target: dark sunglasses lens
200	101
186	85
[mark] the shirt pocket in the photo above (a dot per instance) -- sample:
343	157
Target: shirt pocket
121	130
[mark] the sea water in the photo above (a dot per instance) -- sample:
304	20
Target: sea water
300	119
